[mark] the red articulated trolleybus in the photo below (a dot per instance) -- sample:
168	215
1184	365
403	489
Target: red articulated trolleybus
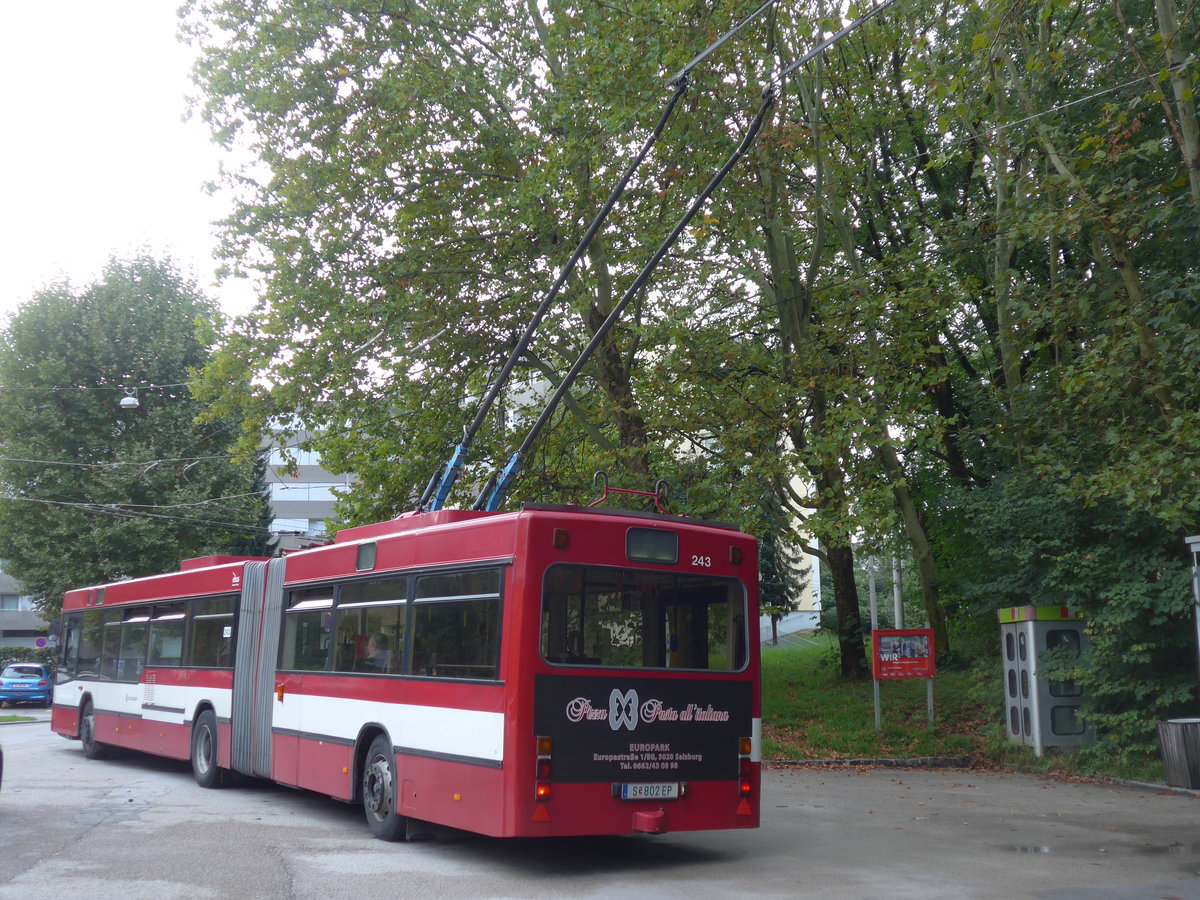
558	670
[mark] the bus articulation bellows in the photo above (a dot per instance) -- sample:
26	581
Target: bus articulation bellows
553	671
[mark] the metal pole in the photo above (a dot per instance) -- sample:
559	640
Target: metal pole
897	595
871	592
872	564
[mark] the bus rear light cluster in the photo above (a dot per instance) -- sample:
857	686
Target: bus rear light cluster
745	746
542	767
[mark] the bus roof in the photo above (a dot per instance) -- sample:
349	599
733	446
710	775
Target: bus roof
196	577
492	536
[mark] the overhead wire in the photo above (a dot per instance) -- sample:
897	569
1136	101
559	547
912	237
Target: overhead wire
118	511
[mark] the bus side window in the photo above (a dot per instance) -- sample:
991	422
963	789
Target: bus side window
370	626
110	647
456	625
68	662
91	643
307	628
166	634
134	632
210	641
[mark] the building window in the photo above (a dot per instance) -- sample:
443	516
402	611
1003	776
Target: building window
299	457
305	490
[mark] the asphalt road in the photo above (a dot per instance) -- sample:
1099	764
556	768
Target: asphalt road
137	827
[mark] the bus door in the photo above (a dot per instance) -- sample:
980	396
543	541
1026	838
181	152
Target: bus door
305	648
125	641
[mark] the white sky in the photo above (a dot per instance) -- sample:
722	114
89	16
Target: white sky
94	154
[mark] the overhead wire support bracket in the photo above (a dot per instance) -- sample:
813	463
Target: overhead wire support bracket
438	490
497	487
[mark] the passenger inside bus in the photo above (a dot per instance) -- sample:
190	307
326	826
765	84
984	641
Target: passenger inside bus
379	656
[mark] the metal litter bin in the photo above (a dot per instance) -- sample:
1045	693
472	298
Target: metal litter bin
1179	740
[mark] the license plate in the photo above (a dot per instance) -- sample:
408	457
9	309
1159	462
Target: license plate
658	791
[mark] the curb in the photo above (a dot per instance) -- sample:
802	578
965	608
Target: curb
956	762
916	762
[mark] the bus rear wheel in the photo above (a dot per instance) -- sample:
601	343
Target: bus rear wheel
379	793
204	750
92	748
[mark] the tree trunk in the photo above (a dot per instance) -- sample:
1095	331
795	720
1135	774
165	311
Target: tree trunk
851	641
1181	85
918	539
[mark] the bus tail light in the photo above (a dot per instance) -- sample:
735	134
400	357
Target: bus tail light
543	767
745	770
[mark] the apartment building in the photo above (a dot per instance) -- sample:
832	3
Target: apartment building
301	496
20	626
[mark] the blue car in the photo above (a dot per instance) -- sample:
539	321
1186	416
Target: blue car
27	683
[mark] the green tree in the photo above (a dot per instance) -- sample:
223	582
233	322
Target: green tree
962	251
93	492
422	172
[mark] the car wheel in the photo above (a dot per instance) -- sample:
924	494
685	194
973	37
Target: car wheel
379	793
204	751
92	748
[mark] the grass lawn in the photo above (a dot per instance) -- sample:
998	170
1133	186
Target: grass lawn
4	719
809	713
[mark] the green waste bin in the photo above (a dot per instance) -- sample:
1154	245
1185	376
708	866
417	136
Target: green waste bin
1179	741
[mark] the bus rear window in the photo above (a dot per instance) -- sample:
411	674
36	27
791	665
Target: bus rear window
595	616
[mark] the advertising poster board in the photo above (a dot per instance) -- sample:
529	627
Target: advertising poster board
902	653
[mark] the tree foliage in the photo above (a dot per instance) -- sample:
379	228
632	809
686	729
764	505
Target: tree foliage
955	280
92	492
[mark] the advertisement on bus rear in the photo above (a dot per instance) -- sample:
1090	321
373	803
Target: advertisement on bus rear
642	729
